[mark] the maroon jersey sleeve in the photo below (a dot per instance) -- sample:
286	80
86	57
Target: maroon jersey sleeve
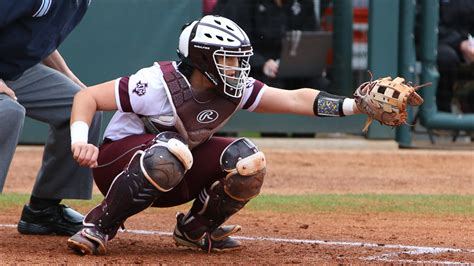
253	93
123	98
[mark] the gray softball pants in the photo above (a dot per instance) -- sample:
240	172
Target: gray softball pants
46	95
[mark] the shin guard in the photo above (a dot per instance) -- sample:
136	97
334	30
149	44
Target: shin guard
149	174
211	209
129	194
245	167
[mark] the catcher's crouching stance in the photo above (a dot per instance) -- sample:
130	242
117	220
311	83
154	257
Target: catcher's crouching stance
188	101
157	170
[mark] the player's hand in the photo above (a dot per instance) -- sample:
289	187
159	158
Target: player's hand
270	68
375	98
85	154
467	50
5	89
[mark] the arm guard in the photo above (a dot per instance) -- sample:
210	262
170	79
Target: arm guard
327	104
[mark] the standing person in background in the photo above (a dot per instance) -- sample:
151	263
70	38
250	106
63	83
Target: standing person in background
208	6
35	81
456	27
266	22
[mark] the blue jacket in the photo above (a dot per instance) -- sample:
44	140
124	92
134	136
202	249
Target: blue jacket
30	30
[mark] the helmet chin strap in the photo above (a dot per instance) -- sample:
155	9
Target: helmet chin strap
199	81
202	89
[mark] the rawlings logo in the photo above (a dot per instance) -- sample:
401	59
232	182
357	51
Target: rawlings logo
207	116
140	88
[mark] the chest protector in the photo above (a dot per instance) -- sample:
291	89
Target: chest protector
195	121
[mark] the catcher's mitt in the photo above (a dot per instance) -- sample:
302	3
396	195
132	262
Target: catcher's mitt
385	100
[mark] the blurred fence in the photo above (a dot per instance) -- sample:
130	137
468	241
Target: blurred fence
118	37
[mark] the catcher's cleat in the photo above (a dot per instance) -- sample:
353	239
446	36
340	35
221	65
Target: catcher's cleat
88	241
54	220
218	240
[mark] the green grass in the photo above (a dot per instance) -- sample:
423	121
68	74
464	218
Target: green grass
421	204
414	204
249	134
9	200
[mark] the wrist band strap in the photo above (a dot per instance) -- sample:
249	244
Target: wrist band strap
348	106
79	132
327	104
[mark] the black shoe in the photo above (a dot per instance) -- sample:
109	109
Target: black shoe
218	240
89	241
54	220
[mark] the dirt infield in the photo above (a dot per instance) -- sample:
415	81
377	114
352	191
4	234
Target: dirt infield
275	238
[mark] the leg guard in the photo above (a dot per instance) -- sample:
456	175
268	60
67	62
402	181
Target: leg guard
246	167
149	174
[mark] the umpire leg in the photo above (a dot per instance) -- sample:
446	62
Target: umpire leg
47	96
12	115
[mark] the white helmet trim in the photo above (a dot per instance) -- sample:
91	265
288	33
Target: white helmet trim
184	39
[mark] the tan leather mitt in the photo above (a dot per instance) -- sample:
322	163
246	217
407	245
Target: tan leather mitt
385	100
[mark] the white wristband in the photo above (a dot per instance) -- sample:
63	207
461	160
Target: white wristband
348	106
79	132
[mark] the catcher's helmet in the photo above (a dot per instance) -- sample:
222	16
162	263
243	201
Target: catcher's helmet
202	41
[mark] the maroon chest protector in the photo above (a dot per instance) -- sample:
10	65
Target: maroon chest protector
195	121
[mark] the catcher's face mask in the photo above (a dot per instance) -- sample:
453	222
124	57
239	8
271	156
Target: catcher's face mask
213	45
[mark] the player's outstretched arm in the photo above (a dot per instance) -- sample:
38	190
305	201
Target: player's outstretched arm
86	102
305	101
384	99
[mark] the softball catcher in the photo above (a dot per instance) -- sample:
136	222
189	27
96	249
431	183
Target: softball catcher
159	149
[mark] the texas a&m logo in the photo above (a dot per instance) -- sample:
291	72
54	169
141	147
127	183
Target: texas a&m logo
140	88
207	116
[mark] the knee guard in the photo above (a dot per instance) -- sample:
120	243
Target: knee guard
246	167
165	163
149	174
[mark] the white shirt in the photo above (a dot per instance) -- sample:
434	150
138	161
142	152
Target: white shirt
143	94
